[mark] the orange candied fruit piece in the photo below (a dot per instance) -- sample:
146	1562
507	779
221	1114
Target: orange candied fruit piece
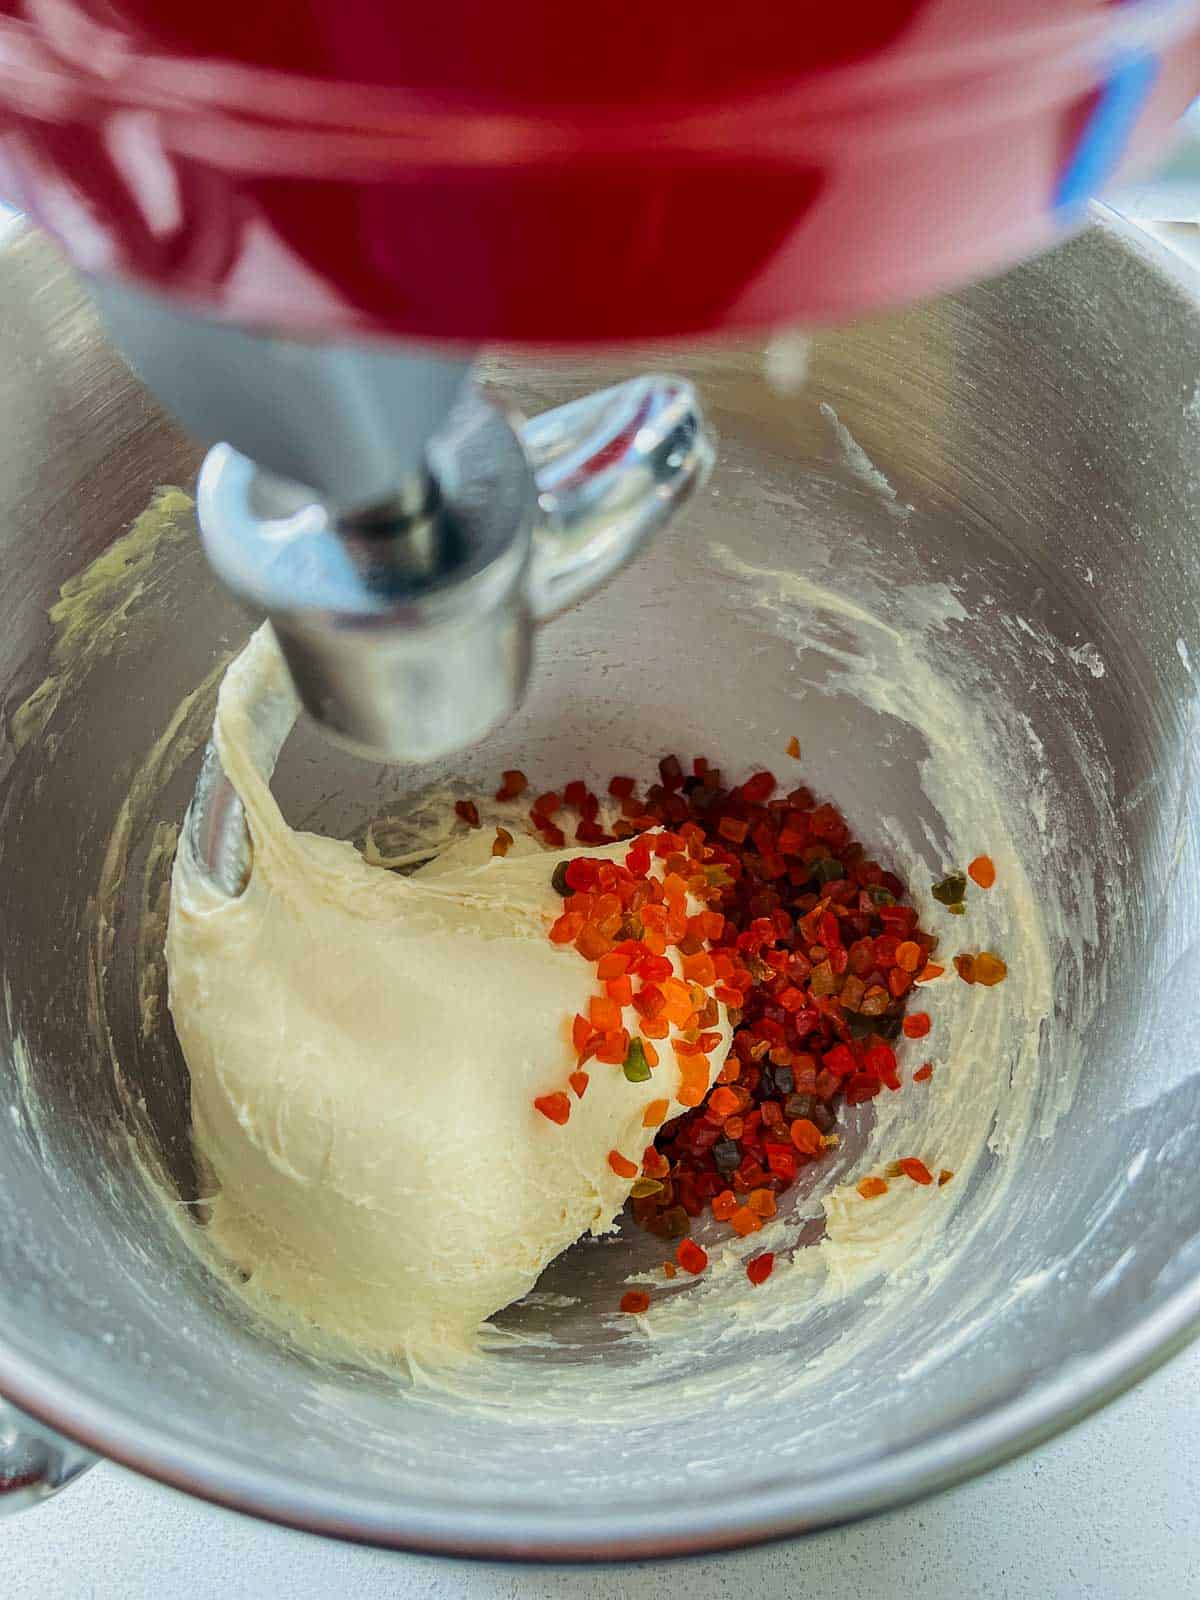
579	1082
944	1177
758	1268
614	965
916	1025
670	1270
870	1188
567	928
989	969
693	1080
983	870
761	1202
986	968
502	841
677	1006
733	830
724	1205
806	1136
604	1013
923	1074
621	1165
929	972
513	784
793	748
691	1257
635	1301
725	1102
614	1047
674	887
655	1113
650	1053
592	943
619	991
743	1221
556	1106
912	1168
699	969
910	956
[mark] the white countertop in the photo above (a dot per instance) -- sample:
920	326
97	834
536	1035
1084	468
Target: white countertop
1111	1511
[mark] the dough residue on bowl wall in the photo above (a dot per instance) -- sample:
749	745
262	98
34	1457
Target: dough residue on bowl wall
996	1085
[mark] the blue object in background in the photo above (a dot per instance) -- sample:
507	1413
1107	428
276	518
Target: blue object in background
1106	132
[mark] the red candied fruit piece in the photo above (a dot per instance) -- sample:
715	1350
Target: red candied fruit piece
758	788
582	874
691	1257
759	1268
782	1163
840	1061
916	1169
638	859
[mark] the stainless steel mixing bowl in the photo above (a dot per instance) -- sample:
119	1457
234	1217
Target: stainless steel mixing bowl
1045	431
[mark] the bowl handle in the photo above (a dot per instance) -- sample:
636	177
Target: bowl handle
35	1462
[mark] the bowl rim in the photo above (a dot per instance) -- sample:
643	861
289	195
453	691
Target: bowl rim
998	1431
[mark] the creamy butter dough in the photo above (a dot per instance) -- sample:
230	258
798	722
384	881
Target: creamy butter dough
364	1051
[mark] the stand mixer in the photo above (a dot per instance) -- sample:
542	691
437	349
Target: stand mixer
299	229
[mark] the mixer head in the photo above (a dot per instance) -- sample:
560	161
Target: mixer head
403	534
